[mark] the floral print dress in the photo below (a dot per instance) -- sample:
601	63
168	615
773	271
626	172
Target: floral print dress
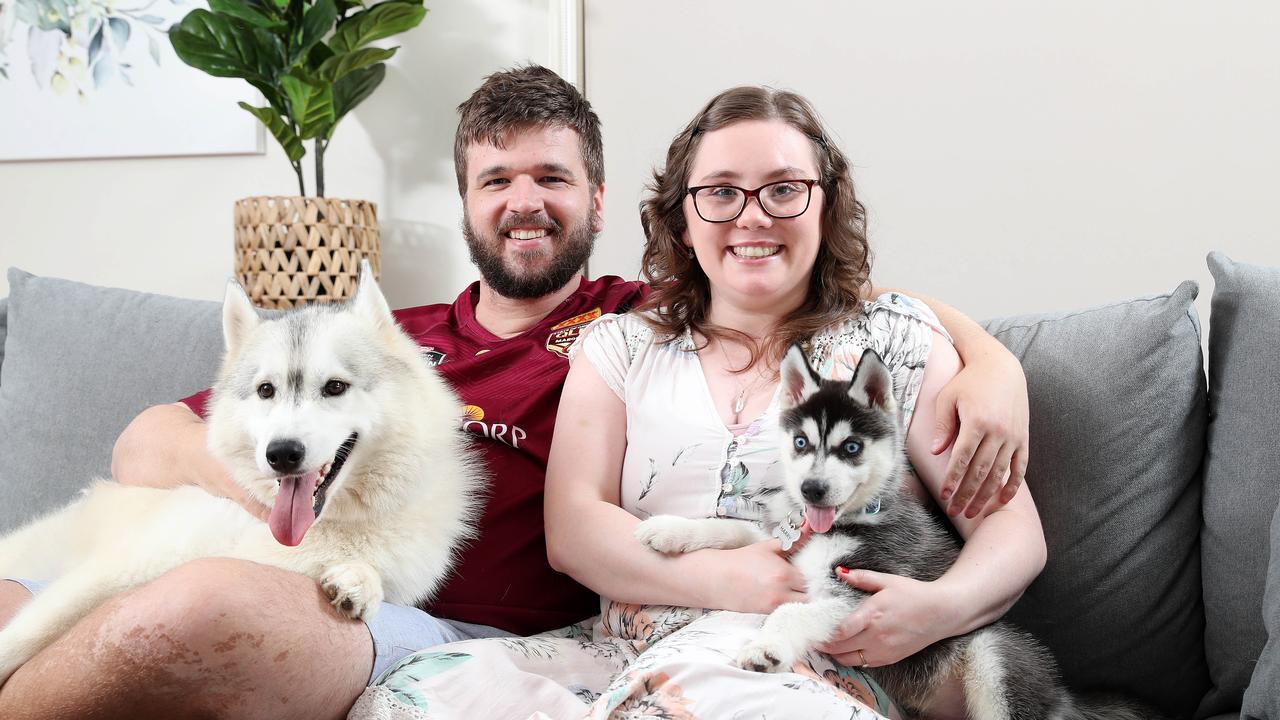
650	661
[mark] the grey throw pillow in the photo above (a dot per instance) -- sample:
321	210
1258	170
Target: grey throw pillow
1242	474
1118	415
1262	699
4	322
80	362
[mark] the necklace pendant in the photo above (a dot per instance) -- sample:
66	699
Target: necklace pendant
739	403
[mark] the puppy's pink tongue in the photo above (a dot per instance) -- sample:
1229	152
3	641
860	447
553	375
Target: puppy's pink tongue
820	518
293	511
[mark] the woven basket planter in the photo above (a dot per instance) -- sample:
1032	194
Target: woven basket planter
291	251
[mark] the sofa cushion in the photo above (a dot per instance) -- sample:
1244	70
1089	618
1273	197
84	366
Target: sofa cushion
1262	698
80	362
1118	415
1242	472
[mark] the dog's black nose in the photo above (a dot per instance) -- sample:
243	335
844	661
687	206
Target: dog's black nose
285	456
813	490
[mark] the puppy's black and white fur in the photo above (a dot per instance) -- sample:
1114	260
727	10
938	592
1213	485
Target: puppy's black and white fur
844	469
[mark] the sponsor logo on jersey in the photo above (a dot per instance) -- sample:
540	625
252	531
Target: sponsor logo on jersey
563	334
433	356
473	422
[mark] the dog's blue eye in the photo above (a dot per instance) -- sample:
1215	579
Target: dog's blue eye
801	442
266	391
852	447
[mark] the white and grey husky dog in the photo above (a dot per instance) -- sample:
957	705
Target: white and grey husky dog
327	414
843	470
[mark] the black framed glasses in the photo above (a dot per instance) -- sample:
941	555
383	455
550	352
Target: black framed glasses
724	203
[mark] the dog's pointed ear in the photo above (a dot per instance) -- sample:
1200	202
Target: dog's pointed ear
799	381
872	383
238	317
370	301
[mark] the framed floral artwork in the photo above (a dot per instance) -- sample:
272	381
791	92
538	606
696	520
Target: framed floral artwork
98	79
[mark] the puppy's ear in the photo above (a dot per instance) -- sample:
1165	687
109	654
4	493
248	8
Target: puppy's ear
799	381
872	384
369	301
238	317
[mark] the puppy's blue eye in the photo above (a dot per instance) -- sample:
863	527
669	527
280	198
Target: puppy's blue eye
852	447
801	442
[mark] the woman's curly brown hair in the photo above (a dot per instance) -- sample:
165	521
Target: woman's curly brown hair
681	294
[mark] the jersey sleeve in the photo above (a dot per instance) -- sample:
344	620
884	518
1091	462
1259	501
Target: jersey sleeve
198	403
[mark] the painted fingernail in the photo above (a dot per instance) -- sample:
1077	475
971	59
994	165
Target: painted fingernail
946	493
842	570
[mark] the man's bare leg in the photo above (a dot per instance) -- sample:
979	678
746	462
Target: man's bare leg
212	639
12	597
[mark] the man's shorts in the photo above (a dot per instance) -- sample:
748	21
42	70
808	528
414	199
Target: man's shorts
396	630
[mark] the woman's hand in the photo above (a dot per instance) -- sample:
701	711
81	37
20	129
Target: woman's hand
984	412
901	617
759	578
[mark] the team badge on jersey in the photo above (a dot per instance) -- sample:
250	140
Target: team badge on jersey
563	334
433	356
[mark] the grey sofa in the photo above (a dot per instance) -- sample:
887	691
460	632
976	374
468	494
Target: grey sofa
1158	484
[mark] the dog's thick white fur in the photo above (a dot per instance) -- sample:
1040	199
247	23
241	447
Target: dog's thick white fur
324	391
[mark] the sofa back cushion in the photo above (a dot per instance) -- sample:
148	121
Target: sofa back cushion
1118	415
79	363
1242	473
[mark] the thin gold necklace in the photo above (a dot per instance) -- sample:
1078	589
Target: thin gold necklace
739	402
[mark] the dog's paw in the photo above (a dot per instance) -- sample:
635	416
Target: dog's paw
766	656
355	589
670	534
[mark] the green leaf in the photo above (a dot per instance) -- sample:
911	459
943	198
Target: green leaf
247	13
280	130
310	105
317	22
226	47
352	89
339	66
380	21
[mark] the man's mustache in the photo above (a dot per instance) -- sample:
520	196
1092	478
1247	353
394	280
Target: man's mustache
538	220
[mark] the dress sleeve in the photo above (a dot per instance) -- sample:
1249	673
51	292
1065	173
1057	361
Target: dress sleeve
900	329
604	344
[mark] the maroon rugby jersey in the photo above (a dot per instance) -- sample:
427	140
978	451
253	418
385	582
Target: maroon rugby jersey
510	389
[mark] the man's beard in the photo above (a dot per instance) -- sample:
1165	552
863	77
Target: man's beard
570	249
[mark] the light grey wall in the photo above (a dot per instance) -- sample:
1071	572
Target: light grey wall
1013	156
165	224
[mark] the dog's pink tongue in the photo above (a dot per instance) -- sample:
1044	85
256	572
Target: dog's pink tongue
820	518
293	512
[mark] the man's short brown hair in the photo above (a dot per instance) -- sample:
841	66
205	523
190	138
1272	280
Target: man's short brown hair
523	98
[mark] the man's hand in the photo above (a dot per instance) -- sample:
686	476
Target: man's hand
900	619
986	404
164	447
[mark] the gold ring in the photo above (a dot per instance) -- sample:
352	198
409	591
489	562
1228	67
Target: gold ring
864	659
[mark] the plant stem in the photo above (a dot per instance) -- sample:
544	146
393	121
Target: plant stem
297	168
320	145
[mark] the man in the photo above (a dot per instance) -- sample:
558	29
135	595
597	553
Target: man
224	638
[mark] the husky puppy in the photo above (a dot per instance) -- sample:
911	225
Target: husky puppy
843	470
327	414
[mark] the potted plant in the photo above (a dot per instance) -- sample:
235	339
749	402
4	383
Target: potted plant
313	63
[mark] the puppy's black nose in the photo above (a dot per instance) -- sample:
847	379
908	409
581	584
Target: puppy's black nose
813	490
285	456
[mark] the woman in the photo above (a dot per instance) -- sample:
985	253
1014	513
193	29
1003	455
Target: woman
755	240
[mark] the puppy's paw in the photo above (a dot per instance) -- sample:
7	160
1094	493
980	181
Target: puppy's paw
671	534
766	656
355	589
